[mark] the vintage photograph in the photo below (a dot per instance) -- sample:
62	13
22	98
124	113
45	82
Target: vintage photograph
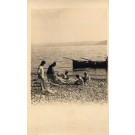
69	55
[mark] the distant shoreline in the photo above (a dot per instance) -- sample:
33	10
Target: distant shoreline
83	43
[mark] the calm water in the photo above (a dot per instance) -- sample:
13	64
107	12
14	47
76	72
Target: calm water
51	54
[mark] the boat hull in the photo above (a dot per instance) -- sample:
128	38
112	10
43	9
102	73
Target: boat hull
89	64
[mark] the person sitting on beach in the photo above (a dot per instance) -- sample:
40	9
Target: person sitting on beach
58	74
65	75
41	77
59	78
79	80
86	78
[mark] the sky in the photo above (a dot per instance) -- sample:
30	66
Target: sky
68	25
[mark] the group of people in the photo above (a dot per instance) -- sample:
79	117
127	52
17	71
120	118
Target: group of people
82	80
57	78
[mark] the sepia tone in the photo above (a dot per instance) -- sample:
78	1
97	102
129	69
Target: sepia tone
67	67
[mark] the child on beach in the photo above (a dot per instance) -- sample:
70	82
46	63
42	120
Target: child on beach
86	78
79	80
65	75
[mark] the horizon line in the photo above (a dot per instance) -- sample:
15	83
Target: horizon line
76	43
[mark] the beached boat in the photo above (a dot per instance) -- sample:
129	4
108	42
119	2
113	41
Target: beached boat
78	64
89	64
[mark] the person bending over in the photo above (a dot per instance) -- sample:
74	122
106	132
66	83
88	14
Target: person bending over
51	76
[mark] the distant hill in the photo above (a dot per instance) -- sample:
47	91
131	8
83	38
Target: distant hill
102	42
82	43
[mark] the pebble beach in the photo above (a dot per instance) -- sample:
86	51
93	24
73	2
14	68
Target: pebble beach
94	92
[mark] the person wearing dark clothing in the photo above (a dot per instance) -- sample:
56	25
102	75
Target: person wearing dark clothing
51	68
43	80
50	72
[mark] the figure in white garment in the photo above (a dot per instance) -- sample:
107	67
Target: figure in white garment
42	78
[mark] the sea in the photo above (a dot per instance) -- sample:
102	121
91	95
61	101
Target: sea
57	54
